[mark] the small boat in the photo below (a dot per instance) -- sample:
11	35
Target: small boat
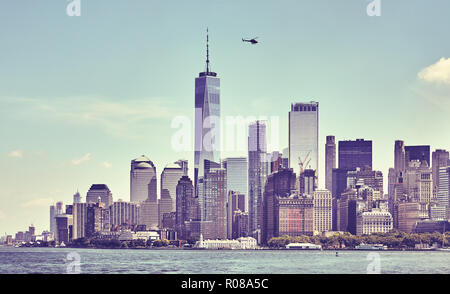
443	249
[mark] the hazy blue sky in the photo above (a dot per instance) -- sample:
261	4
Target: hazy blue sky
82	96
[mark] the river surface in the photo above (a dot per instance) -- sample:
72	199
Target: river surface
120	261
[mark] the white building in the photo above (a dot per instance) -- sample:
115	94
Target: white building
375	221
323	211
240	243
247	243
441	210
304	246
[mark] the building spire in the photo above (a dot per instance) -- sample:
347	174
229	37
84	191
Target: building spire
207	51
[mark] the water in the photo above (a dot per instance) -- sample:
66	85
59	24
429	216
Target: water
99	261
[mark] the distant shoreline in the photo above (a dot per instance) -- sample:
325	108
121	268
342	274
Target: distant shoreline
259	249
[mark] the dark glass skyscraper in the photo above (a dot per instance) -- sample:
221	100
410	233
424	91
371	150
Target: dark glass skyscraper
417	153
207	120
353	154
257	172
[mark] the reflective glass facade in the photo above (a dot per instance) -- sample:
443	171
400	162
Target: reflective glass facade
142	180
207	122
304	136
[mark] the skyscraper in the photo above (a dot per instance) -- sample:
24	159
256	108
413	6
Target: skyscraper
279	184
99	191
353	154
79	220
443	196
169	180
77	197
187	207
142	180
276	161
207	119
63	223
418	185
257	171
322	210
399	156
236	202
330	161
439	159
97	218
52	219
307	182
215	198
419	153
59	207
304	136
237	176
339	178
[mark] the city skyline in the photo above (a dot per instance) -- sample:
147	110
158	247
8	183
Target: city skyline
61	159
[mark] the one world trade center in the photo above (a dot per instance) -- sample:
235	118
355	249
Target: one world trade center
207	121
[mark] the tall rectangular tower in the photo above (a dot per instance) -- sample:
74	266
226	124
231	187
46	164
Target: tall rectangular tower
420	153
237	178
304	136
330	161
353	154
257	172
439	158
399	156
142	180
207	120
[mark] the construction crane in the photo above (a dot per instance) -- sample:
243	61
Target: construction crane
304	162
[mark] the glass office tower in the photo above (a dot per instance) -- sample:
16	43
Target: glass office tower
353	154
237	169
304	136
257	172
207	120
142	180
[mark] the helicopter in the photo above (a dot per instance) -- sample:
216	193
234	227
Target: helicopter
253	41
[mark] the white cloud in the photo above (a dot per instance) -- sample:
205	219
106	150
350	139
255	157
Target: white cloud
39	202
438	73
107	164
2	215
78	161
15	154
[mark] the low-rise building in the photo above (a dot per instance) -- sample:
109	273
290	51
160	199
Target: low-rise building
375	221
247	243
240	243
139	235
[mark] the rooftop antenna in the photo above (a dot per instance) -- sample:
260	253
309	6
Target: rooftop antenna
207	51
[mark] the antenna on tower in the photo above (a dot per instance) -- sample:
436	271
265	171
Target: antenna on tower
207	51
